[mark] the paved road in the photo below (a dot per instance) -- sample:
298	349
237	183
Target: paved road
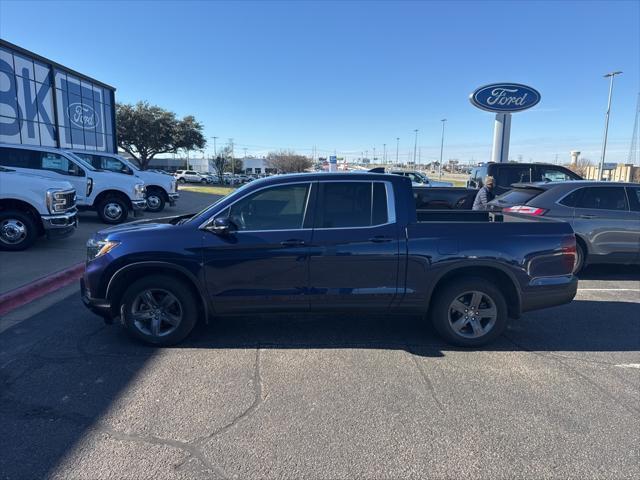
328	397
48	256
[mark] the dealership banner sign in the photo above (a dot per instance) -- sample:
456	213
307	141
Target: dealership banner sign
42	103
505	97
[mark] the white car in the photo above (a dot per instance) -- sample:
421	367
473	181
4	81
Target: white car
161	188
419	179
190	176
31	205
111	195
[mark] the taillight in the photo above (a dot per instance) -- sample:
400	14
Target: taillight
525	210
569	254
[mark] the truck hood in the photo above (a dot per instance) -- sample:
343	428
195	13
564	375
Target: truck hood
35	178
145	225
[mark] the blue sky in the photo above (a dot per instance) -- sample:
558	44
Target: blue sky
351	76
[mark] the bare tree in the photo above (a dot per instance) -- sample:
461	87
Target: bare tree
222	162
287	161
580	167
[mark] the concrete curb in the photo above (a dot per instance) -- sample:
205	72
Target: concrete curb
38	288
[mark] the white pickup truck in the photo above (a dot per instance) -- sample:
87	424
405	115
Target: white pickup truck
31	205
161	188
111	195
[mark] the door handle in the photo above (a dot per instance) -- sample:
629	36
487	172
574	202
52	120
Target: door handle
587	216
380	239
292	243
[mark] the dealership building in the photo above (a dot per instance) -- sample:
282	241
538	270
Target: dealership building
44	103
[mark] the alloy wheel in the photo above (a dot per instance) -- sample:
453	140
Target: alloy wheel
472	314
156	312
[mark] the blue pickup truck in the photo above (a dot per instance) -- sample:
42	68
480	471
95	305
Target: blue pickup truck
334	243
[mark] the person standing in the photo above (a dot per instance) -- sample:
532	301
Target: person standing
485	194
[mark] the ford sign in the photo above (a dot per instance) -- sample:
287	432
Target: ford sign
505	97
83	116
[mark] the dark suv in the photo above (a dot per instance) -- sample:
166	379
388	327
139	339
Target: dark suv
506	174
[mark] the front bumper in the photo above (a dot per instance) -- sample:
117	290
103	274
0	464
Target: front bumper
138	207
173	197
60	225
99	306
544	292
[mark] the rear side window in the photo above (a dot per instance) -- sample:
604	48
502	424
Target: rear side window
519	196
509	175
572	199
351	204
603	198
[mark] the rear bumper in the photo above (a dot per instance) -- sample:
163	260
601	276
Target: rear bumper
544	292
60	225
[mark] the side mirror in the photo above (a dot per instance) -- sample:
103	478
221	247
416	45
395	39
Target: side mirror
221	226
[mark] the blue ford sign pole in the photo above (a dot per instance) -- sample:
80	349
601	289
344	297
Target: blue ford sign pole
503	99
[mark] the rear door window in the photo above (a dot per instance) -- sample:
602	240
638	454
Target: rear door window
351	205
572	199
508	175
634	198
603	198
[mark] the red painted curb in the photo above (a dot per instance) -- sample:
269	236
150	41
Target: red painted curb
38	288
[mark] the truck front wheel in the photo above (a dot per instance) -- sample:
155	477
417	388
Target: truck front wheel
155	200
18	231
159	310
469	312
113	210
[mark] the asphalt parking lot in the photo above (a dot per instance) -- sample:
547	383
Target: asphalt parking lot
329	397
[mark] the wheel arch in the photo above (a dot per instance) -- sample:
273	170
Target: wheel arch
15	204
112	192
502	278
126	275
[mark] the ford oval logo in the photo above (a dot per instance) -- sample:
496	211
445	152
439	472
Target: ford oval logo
505	97
83	116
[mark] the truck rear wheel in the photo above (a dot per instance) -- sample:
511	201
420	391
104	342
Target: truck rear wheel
18	231
113	210
469	312
159	310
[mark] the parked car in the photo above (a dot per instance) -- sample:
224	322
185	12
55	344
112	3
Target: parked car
189	176
506	174
160	188
31	206
604	215
439	198
333	242
420	179
111	195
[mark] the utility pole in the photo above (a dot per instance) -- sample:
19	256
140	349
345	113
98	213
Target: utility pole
606	123
245	152
415	146
444	120
397	149
215	153
233	160
374	154
384	153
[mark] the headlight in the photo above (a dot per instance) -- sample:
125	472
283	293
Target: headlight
173	186
139	190
56	201
97	248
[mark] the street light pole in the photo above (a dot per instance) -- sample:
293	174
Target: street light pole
415	146
397	149
444	120
215	153
606	123
384	153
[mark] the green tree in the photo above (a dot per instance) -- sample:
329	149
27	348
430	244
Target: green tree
145	131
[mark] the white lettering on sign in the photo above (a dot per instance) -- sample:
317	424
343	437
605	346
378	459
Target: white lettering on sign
505	97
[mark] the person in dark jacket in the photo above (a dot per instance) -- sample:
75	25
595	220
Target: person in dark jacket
485	194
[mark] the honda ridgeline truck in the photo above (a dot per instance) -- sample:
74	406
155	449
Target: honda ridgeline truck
110	194
31	206
329	242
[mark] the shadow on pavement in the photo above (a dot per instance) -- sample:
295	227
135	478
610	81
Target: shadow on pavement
62	370
610	272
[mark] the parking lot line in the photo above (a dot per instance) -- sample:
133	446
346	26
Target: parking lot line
629	365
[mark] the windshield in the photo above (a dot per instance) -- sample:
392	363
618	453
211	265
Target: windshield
128	163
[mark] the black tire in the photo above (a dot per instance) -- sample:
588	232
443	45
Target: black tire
581	257
138	329
18	230
182	180
155	200
443	315
113	209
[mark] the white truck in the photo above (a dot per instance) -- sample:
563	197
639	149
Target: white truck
111	195
31	206
161	188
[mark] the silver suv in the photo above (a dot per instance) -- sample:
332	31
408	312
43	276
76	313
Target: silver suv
604	215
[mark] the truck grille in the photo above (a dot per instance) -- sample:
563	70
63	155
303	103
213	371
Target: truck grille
69	197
